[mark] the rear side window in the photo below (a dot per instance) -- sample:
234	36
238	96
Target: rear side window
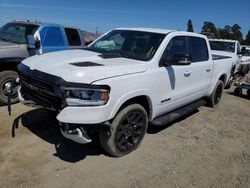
176	46
198	49
73	37
52	36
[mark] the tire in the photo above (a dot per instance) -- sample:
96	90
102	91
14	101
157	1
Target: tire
237	91
5	77
229	83
215	97
127	131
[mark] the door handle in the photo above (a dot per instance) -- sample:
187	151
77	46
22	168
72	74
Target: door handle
187	73
208	69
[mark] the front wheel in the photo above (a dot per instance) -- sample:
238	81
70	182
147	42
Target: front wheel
6	77
127	131
215	97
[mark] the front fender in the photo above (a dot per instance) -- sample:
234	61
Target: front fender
124	98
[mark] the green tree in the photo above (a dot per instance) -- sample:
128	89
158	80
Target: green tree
209	29
236	33
224	33
247	41
190	26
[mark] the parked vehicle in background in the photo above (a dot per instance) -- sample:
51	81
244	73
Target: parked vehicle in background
230	48
245	55
14	47
123	80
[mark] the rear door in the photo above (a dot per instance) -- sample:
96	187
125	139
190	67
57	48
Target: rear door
201	67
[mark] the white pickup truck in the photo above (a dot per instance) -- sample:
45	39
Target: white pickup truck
127	78
230	48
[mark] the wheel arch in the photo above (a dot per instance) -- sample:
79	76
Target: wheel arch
5	66
223	78
143	100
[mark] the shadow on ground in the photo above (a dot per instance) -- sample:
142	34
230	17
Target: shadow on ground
43	124
244	96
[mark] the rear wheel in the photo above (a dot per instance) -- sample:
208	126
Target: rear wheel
215	97
248	93
237	91
127	131
6	77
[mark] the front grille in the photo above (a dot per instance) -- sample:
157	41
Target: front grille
35	82
43	92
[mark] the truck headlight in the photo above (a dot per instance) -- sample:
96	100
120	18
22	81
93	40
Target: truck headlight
86	96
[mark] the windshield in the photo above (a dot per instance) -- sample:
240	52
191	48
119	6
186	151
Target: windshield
16	32
130	44
222	46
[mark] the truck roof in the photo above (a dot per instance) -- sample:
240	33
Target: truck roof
26	22
38	23
162	31
153	30
223	40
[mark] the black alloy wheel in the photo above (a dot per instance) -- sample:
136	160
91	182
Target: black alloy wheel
126	131
218	94
131	131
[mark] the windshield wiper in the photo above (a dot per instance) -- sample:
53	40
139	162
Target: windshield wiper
110	55
132	55
4	39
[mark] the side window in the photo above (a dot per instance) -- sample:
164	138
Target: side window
177	45
51	36
198	47
73	37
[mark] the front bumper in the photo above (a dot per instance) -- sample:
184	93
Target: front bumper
84	115
74	115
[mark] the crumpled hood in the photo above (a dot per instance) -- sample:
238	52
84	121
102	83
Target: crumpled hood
8	45
61	64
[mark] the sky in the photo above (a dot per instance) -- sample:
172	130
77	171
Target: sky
92	15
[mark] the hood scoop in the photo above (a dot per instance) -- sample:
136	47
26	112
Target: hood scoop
86	64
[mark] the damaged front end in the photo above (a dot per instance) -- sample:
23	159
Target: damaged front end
40	89
75	133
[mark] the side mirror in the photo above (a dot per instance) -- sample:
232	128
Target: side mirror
243	49
181	59
32	42
177	59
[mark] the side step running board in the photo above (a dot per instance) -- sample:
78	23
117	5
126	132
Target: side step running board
171	116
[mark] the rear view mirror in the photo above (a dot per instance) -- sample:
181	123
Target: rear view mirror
243	49
32	42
